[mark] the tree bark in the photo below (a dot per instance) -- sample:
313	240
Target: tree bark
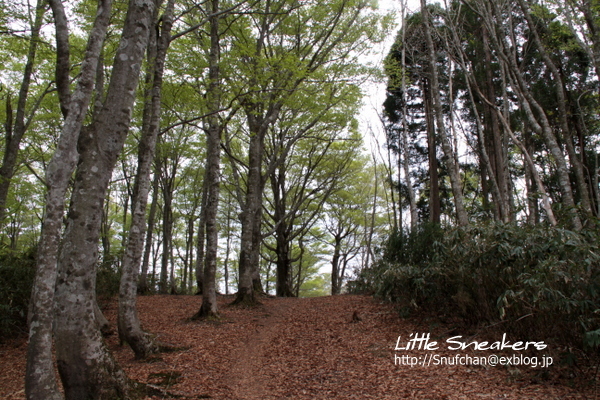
498	160
435	210
336	279
85	364
449	157
130	330
201	237
209	308
143	284
40	381
403	145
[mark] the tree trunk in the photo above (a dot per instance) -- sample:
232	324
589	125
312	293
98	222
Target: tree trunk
130	330
85	364
167	231
213	170
253	201
200	241
435	210
335	265
283	263
562	102
403	146
498	155
40	381
256	248
538	120
143	284
14	133
449	157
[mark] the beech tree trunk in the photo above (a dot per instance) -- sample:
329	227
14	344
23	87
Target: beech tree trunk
252	203
336	279
212	182
143	284
85	364
130	330
201	239
40	380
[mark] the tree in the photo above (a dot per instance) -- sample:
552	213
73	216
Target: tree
345	211
449	156
212	180
14	131
288	47
40	380
85	365
300	186
128	322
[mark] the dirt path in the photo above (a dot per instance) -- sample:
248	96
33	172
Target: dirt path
301	349
246	383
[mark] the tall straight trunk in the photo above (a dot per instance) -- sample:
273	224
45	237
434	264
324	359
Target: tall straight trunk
449	157
259	120
283	264
201	239
256	248
40	381
143	284
532	202
167	236
390	169
435	211
14	132
228	245
498	159
414	216
252	204
336	279
85	364
130	330
189	254
212	183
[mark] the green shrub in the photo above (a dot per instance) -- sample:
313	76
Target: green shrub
537	279
16	280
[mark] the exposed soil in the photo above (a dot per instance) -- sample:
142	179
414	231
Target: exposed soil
306	349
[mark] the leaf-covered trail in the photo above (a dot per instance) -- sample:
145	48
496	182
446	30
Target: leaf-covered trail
301	349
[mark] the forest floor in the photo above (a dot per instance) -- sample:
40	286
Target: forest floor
310	349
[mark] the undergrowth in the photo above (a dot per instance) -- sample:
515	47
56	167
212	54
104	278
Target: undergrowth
17	271
534	280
